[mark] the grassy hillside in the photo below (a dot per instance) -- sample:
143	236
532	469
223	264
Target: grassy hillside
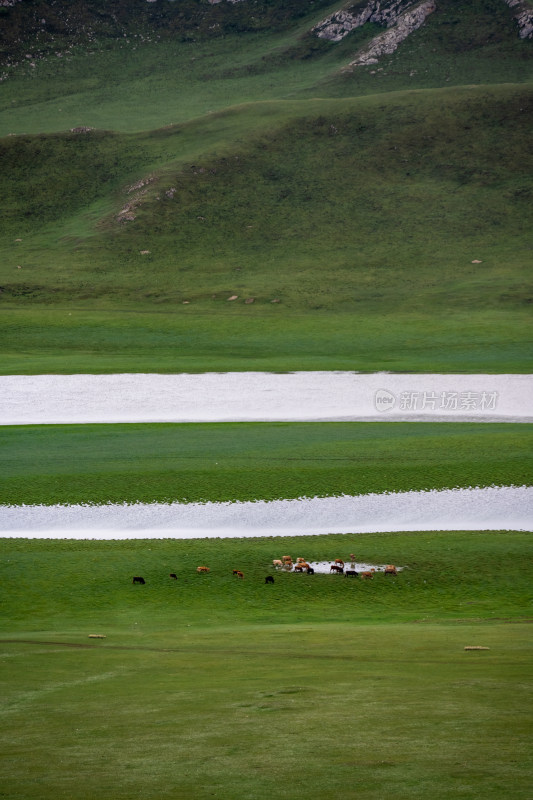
250	461
139	66
363	208
394	199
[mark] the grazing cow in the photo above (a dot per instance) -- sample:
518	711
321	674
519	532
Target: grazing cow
390	569
173	575
339	561
286	558
299	568
336	568
277	563
138	579
269	579
238	573
203	569
351	572
300	560
310	571
368	574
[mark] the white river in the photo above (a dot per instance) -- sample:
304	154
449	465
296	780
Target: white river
256	396
260	396
492	508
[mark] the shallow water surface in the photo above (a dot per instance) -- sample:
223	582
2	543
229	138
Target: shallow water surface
263	396
491	508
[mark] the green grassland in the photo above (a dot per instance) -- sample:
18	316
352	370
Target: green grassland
255	461
312	687
359	201
59	340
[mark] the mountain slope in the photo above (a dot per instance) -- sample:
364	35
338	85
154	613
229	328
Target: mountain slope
249	159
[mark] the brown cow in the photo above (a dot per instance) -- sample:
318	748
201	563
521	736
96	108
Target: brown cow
286	558
203	569
238	573
339	561
277	563
367	574
390	569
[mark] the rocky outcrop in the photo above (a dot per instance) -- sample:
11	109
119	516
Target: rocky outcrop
341	23
523	16
387	42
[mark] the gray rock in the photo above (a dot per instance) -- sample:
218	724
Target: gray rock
523	17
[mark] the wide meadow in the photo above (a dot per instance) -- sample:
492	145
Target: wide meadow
212	685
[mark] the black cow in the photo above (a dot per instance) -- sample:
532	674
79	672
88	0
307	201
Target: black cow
138	579
351	572
173	575
310	571
269	579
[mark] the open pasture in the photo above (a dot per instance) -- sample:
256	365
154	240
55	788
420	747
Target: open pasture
315	686
48	464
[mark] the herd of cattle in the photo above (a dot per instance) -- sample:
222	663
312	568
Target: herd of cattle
286	564
337	567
